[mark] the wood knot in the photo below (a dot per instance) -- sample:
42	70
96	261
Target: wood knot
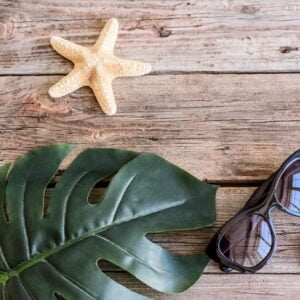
44	104
3	31
287	49
8	30
163	32
98	135
224	148
249	9
153	139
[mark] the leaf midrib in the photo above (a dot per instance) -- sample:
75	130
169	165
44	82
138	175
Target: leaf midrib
38	258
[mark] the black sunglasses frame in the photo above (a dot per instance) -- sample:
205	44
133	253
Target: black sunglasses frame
261	203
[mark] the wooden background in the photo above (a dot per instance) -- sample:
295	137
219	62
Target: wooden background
222	102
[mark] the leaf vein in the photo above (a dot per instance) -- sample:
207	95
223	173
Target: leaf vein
66	206
118	204
27	289
133	255
130	253
25	223
69	243
72	280
4	294
3	257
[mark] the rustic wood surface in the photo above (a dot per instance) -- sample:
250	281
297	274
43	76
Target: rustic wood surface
219	127
205	35
222	101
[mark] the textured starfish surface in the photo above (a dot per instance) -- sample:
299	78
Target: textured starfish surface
96	67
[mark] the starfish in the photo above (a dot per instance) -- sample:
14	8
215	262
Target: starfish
95	66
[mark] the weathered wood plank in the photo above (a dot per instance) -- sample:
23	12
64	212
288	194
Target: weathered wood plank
219	127
221	36
225	287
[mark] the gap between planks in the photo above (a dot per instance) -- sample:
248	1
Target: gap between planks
170	72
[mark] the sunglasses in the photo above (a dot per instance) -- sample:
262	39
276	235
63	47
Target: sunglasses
248	240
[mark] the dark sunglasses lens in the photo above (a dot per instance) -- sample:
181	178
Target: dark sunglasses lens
248	241
288	188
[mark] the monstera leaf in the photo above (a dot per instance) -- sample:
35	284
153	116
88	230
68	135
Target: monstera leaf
50	251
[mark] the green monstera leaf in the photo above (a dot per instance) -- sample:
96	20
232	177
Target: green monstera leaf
52	252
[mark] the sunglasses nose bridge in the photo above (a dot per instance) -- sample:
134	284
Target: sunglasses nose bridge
267	206
273	204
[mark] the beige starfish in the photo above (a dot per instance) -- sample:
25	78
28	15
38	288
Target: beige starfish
96	67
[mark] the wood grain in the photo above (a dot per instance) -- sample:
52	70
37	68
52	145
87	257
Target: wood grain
175	36
219	127
226	287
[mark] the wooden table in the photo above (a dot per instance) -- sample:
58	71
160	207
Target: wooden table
222	102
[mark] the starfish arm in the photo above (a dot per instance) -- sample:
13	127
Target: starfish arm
124	67
68	84
69	50
102	88
108	36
